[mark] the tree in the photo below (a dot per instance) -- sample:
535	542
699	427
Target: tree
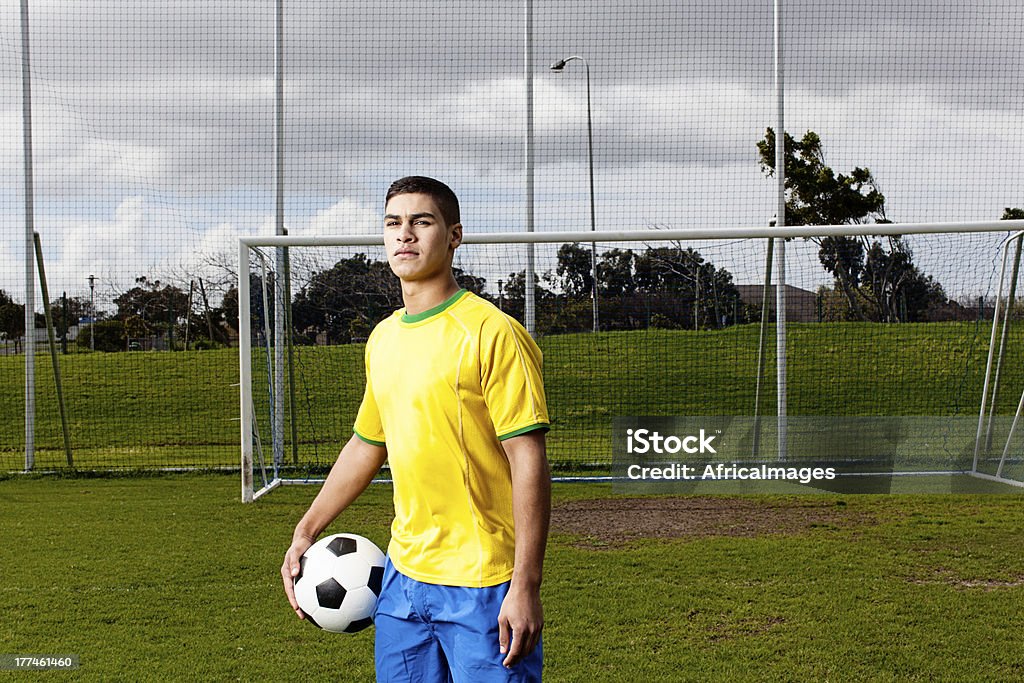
469	281
670	286
109	335
615	273
154	305
78	307
877	278
574	275
346	300
552	311
12	318
228	308
815	195
227	313
703	293
895	286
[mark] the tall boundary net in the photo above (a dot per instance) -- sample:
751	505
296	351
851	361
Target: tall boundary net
684	334
142	139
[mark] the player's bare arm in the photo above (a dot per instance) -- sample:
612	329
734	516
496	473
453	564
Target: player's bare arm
522	617
353	471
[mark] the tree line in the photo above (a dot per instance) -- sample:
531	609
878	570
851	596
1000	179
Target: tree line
655	287
150	309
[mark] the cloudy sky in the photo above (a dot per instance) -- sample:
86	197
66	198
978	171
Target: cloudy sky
154	121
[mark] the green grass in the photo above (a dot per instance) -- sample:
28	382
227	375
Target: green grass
124	408
180	409
171	578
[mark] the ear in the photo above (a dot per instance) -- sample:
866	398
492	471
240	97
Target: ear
456	239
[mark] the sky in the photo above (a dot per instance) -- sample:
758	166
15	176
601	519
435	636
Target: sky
153	122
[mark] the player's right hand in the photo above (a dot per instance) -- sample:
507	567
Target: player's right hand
290	569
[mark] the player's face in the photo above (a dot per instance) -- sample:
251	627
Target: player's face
418	242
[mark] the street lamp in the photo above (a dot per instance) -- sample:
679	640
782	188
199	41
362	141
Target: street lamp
558	67
92	312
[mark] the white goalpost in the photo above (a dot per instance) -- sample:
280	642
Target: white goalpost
715	322
1002	317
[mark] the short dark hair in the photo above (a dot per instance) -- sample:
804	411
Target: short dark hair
442	195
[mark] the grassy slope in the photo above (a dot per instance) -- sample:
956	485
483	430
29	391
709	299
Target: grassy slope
172	579
157	409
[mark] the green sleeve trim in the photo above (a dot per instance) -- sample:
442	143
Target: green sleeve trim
367	440
519	432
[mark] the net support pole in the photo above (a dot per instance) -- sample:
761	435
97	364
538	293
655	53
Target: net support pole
593	219
30	276
280	267
206	310
1009	437
245	369
1010	296
762	346
780	221
267	331
52	340
529	302
188	309
290	342
988	364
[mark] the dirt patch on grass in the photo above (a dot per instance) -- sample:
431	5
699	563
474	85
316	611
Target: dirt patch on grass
615	521
945	577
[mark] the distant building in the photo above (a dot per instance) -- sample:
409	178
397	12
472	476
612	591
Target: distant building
801	305
10	347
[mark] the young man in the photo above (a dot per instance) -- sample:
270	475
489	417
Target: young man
455	402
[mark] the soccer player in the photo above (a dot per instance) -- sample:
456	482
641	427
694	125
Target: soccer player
455	402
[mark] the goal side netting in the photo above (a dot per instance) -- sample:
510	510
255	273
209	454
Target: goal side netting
892	349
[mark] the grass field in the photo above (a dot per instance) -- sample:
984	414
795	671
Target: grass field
170	578
167	578
140	410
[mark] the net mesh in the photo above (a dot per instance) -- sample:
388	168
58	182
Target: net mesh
154	149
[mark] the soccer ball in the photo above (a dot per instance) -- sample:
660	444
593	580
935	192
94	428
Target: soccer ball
339	581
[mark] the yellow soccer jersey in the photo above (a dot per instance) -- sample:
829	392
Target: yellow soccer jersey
443	389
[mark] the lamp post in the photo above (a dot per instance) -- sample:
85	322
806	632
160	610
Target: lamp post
558	67
92	312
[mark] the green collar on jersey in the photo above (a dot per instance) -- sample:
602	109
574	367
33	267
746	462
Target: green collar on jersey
406	318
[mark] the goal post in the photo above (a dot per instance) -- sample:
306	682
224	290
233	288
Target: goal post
679	336
1002	317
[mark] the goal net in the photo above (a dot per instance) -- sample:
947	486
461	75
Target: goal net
865	347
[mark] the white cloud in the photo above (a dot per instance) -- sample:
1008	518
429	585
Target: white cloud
139	239
346	217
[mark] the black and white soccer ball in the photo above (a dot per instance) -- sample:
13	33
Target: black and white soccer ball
339	581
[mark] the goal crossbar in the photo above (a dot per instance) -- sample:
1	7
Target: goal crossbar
683	234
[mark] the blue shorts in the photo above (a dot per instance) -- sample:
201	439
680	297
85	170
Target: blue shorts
438	634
